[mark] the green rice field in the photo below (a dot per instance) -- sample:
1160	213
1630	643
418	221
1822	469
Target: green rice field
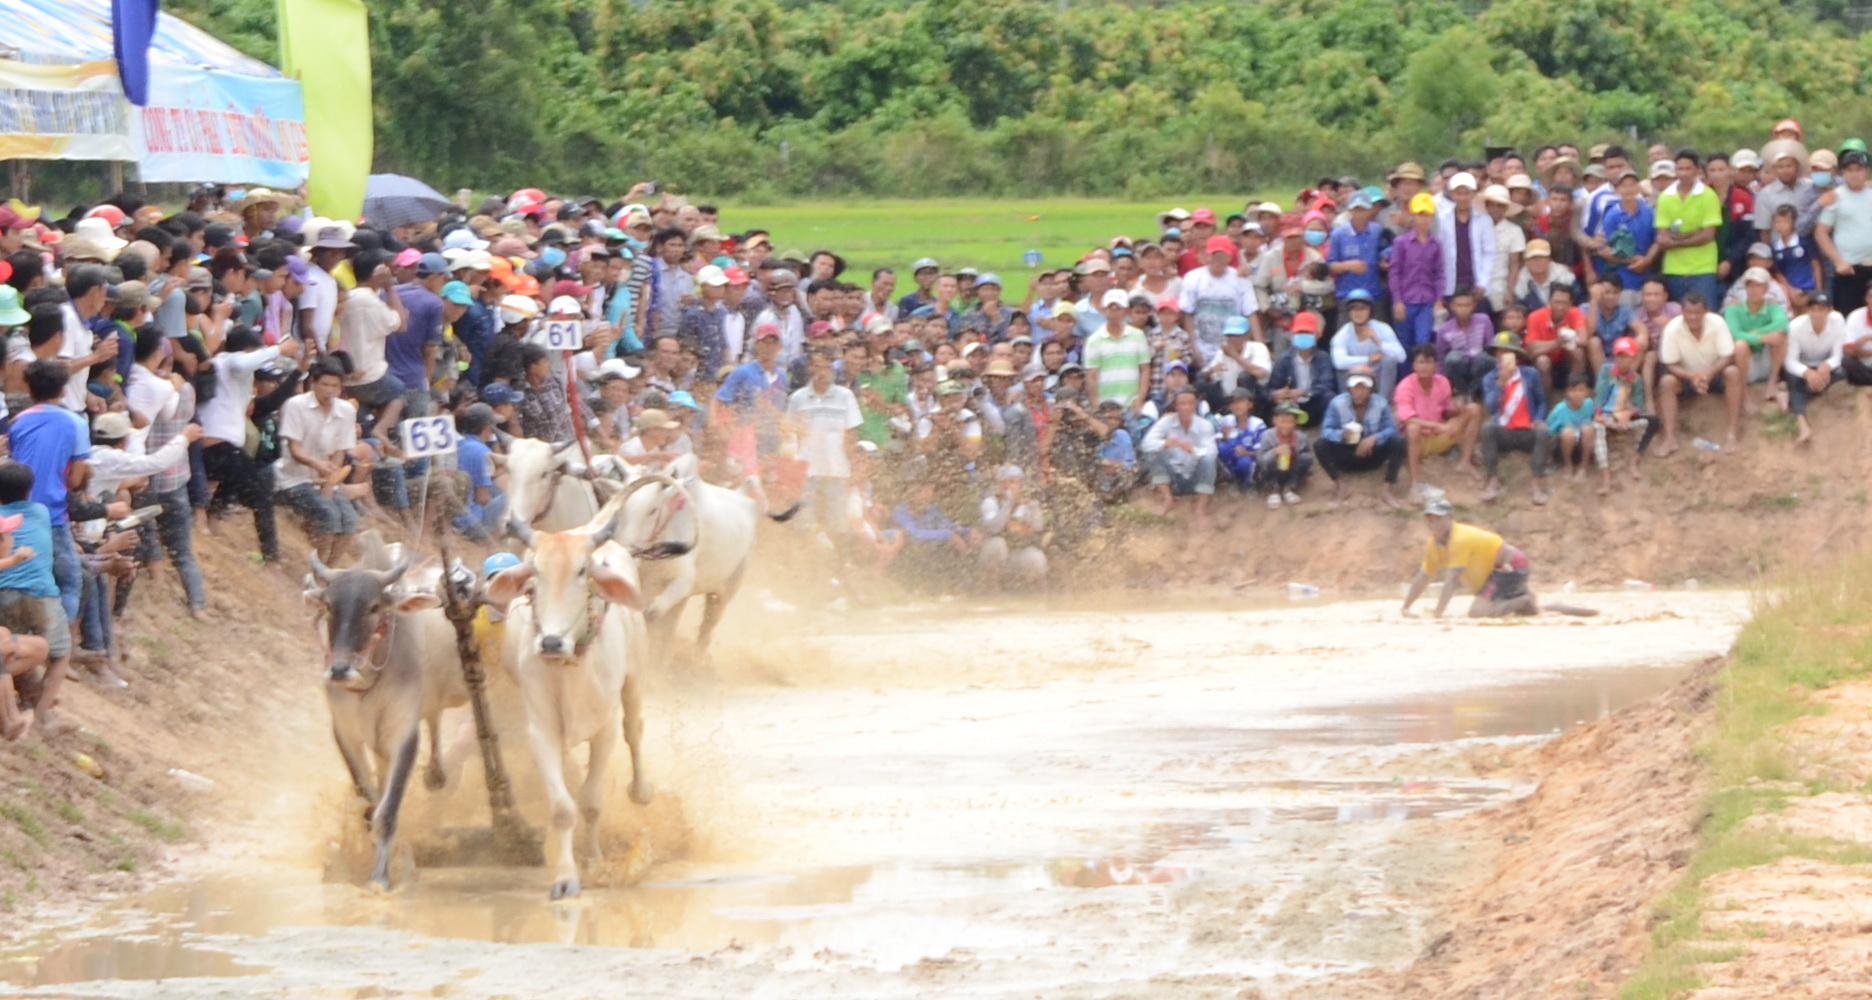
990	234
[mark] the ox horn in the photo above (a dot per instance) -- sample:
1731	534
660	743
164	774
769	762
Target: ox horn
603	535
521	530
560	447
394	573
320	570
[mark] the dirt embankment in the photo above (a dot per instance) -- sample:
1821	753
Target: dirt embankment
1711	517
1562	908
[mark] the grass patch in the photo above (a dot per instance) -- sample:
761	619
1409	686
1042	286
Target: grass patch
158	827
70	813
1811	635
22	816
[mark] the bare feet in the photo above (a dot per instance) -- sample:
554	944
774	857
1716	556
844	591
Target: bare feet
1579	474
1202	521
1605	483
1492	490
21	727
1666	448
1388	498
1541	494
53	722
199	614
1732	442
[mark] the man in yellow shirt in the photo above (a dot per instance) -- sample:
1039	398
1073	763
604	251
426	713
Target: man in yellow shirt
1478	562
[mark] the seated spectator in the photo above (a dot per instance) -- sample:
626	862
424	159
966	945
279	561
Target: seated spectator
1304	375
1117	455
1011	523
1360	434
868	530
1655	311
1608	320
1433	418
1365	342
1514	405
1462	345
1620	400
1571	424
1778	290
1556	337
319	433
1796	257
484	509
1242	363
1758	325
1816	358
1180	450
938	547
1285	459
1699	359
1241	433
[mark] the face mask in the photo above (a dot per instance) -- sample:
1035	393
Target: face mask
636	245
1823	178
1314	237
1304	341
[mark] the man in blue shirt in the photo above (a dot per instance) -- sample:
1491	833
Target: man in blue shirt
53	442
1627	238
411	351
1352	251
28	582
485	506
754	397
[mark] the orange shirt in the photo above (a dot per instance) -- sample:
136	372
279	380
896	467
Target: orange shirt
1540	325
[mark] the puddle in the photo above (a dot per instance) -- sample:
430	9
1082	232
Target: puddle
162	956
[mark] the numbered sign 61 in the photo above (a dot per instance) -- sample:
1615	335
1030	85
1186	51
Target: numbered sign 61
424	436
562	335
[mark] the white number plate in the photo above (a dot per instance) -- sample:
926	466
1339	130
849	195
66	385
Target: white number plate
424	436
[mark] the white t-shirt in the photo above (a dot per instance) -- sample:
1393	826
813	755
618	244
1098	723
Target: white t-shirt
224	417
1226	369
825	421
1509	239
319	433
77	344
151	397
363	328
1680	347
1810	349
1213	300
317	304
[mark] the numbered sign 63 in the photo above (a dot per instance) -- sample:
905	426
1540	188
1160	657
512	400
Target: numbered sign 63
428	435
562	335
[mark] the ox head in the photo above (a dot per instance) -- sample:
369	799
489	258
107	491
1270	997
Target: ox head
534	469
357	605
569	577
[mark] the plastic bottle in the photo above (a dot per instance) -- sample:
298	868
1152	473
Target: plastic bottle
1302	591
88	765
1640	585
189	779
1705	444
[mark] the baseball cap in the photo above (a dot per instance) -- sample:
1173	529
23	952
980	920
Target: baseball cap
1759	249
1461	180
1745	158
564	305
1854	158
432	263
1115	297
782	277
1819	298
1520	182
923	263
517	309
1235	326
409	257
1169	302
618	368
1421	204
712	276
1438	507
1406	171
458	293
1788	125
1537	248
113	426
1663	168
990	278
1203	216
1306	322
1756	274
735	275
499	394
1822	159
766	330
1360	375
1219	244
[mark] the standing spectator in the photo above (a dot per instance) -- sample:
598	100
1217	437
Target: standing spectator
411	354
1788	188
545	413
1213	295
1628	238
1359	435
1514	418
161	403
1737	232
1687	218
1117	357
1816	358
1796	258
1468	241
1181	451
29	589
1352	251
86	314
53	443
704	322
372	313
1510	243
1433	418
1844	232
1607	320
1540	276
223	415
1418	273
824	414
1699	359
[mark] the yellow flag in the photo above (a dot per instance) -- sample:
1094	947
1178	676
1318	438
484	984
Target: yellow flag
325	45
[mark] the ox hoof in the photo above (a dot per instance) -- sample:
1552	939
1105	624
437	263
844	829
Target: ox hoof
641	792
435	778
565	888
379	885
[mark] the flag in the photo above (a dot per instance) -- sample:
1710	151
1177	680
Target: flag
133	27
325	45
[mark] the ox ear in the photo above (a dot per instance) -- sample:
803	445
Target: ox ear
420	600
508	584
616	588
498	458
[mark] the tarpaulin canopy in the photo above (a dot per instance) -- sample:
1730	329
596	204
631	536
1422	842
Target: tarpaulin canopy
214	114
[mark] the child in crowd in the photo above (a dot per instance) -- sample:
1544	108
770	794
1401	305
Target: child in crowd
1241	433
1620	401
1571	422
1796	257
1285	457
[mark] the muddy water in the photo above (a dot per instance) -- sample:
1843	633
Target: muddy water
965	800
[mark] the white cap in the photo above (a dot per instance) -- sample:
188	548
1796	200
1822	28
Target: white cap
1664	168
1268	208
478	260
517	308
1115	297
1462	180
1756	274
1497	193
711	275
564	305
619	367
1745	158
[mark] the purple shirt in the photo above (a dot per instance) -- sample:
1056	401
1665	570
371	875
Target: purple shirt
1416	269
1451	339
404	349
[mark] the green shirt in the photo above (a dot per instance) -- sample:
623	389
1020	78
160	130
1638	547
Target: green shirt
1750	326
1702	210
893	386
1117	359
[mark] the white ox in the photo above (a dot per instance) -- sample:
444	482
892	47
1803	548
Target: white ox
574	630
716	524
546	485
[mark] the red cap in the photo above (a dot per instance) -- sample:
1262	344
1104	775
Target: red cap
109	213
1290	225
1203	215
567	286
1305	322
736	276
819	328
1219	244
765	330
1624	345
1169	302
1786	124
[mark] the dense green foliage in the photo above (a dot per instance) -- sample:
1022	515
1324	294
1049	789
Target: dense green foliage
765	98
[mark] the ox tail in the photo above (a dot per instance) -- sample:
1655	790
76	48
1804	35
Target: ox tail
751	488
664	550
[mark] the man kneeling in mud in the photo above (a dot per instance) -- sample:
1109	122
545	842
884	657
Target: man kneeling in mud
1479	562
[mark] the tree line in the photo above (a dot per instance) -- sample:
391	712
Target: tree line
763	99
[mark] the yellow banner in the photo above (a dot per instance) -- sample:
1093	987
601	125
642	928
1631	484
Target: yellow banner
325	45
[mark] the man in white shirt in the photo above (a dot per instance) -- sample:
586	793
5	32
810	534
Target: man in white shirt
370	315
1699	358
1180	450
823	414
1816	357
318	304
223	420
89	289
1213	295
318	432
